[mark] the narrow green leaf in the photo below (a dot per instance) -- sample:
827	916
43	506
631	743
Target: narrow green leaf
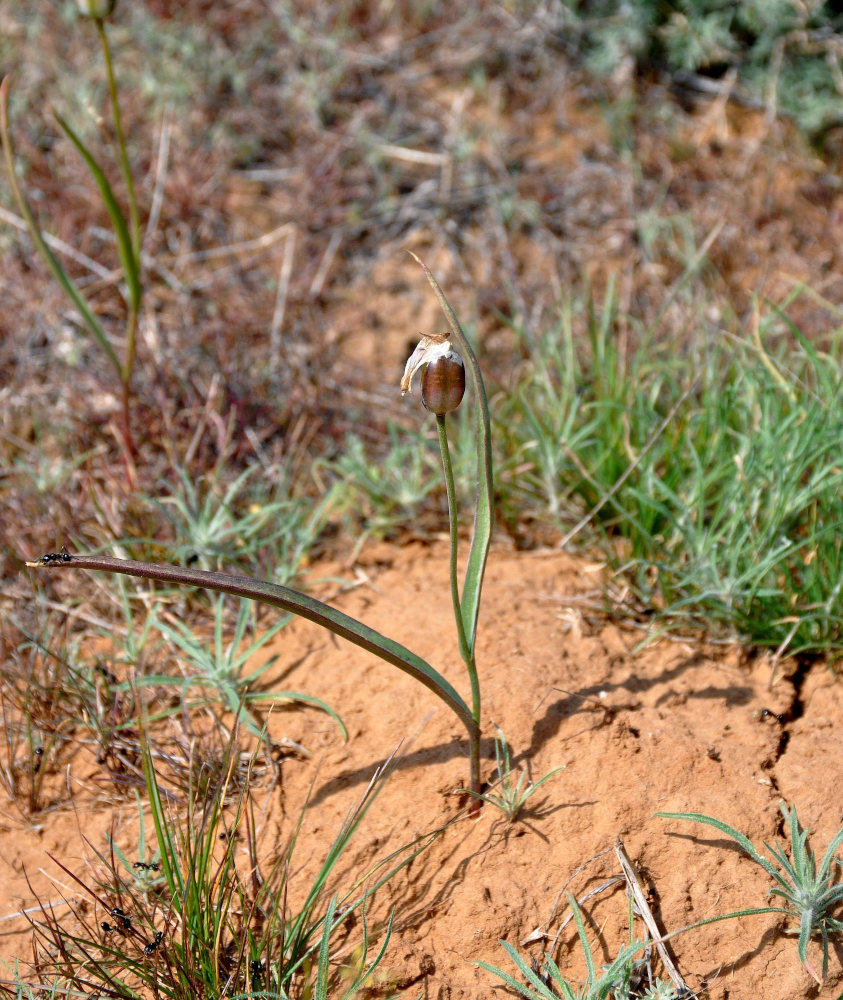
323	967
118	222
166	847
742	840
589	958
305	699
292	601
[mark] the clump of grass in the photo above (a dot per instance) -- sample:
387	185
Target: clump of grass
199	927
811	894
241	522
781	51
707	472
383	492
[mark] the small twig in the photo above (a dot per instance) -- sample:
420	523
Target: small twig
232	249
325	264
539	932
160	175
646	915
281	299
63	248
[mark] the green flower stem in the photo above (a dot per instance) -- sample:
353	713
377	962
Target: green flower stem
466	652
467	603
134	216
453	531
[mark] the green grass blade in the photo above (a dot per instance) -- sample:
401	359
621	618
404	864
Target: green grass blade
541	991
166	846
589	958
739	838
118	222
298	696
323	966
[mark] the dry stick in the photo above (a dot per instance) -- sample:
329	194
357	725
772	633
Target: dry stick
646	915
281	300
539	932
54	243
160	177
318	282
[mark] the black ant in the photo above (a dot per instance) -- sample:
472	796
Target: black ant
55	557
107	675
146	866
256	970
153	944
124	920
766	713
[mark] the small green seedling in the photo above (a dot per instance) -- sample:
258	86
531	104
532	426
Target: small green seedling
511	796
811	895
439	392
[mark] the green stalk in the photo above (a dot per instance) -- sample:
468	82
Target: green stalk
467	603
448	471
134	216
466	652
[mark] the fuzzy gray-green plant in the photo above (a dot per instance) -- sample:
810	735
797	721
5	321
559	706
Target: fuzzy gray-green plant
783	51
549	983
812	895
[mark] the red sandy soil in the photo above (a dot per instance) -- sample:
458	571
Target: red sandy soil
678	724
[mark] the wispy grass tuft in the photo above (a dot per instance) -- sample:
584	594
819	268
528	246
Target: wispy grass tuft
202	925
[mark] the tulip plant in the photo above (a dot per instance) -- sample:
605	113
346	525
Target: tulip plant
443	379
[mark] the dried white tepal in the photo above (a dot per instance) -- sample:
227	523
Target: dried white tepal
443	379
98	9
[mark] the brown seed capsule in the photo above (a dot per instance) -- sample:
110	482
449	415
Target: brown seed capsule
443	383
